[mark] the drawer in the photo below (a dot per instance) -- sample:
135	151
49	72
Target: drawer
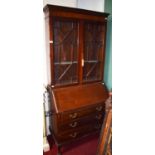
89	120
68	135
80	113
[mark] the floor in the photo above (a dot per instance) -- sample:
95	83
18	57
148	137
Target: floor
86	146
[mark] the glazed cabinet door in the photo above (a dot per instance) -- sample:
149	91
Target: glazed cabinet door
93	55
65	51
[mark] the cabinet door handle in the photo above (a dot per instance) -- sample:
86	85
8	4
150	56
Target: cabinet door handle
82	62
99	108
73	135
74	115
73	125
51	41
98	116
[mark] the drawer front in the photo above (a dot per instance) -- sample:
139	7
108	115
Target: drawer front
88	120
80	113
78	133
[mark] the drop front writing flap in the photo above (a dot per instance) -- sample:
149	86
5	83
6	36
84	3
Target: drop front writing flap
73	97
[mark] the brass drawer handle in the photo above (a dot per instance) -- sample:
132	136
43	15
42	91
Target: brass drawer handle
73	125
99	108
73	135
98	116
74	115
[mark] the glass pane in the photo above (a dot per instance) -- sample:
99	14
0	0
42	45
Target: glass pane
65	52
93	51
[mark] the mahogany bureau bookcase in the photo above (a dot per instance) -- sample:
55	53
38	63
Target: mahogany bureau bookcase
75	41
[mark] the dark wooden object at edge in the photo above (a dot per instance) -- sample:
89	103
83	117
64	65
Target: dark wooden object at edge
105	142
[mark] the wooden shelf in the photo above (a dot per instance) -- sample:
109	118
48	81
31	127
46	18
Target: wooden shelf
91	61
65	63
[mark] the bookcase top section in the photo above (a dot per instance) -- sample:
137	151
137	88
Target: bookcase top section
55	8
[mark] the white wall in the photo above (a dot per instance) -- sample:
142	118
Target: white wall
70	3
95	5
